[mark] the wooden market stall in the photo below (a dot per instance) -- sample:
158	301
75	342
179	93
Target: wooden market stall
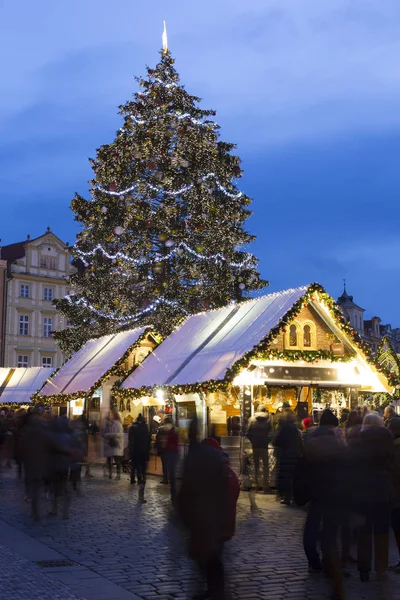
83	385
17	385
288	349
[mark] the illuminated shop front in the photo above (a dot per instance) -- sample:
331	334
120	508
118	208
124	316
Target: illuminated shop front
291	349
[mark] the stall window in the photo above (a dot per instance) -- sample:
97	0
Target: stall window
307	343
293	336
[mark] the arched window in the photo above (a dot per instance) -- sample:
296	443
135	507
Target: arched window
293	336
307	342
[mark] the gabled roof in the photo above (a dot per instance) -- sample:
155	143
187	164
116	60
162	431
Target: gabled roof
209	349
18	385
206	345
98	359
13	252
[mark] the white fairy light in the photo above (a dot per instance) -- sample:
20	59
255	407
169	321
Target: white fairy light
163	257
183	190
179	117
128	318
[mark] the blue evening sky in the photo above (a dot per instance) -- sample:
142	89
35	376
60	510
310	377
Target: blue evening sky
308	89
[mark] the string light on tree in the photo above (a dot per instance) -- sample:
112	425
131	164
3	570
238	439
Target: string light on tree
163	231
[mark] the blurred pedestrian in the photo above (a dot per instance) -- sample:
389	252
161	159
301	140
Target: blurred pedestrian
289	447
372	489
34	448
167	444
139	443
20	422
327	484
113	436
394	429
60	450
207	505
9	439
85	429
388	414
78	454
307	425
353	425
259	434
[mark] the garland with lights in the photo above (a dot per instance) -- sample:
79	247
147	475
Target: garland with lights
163	233
314	292
386	353
118	369
161	258
310	356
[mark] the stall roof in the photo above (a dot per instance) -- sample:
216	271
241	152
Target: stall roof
208	344
81	372
18	385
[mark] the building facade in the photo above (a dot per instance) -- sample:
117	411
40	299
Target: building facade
36	274
371	330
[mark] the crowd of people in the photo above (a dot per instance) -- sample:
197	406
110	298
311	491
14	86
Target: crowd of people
49	452
346	474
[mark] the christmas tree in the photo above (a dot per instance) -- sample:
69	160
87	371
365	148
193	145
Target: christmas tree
162	234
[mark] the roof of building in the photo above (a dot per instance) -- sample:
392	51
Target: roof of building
13	252
18	385
206	345
92	362
346	301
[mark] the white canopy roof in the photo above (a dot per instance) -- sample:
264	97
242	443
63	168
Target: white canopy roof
18	385
91	362
208	344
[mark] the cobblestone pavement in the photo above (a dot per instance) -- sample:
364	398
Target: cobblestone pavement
21	580
140	547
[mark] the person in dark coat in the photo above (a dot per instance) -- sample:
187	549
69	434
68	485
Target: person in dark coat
34	448
328	477
60	452
388	414
205	506
19	427
78	446
353	425
167	443
139	444
373	493
289	449
394	429
259	434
